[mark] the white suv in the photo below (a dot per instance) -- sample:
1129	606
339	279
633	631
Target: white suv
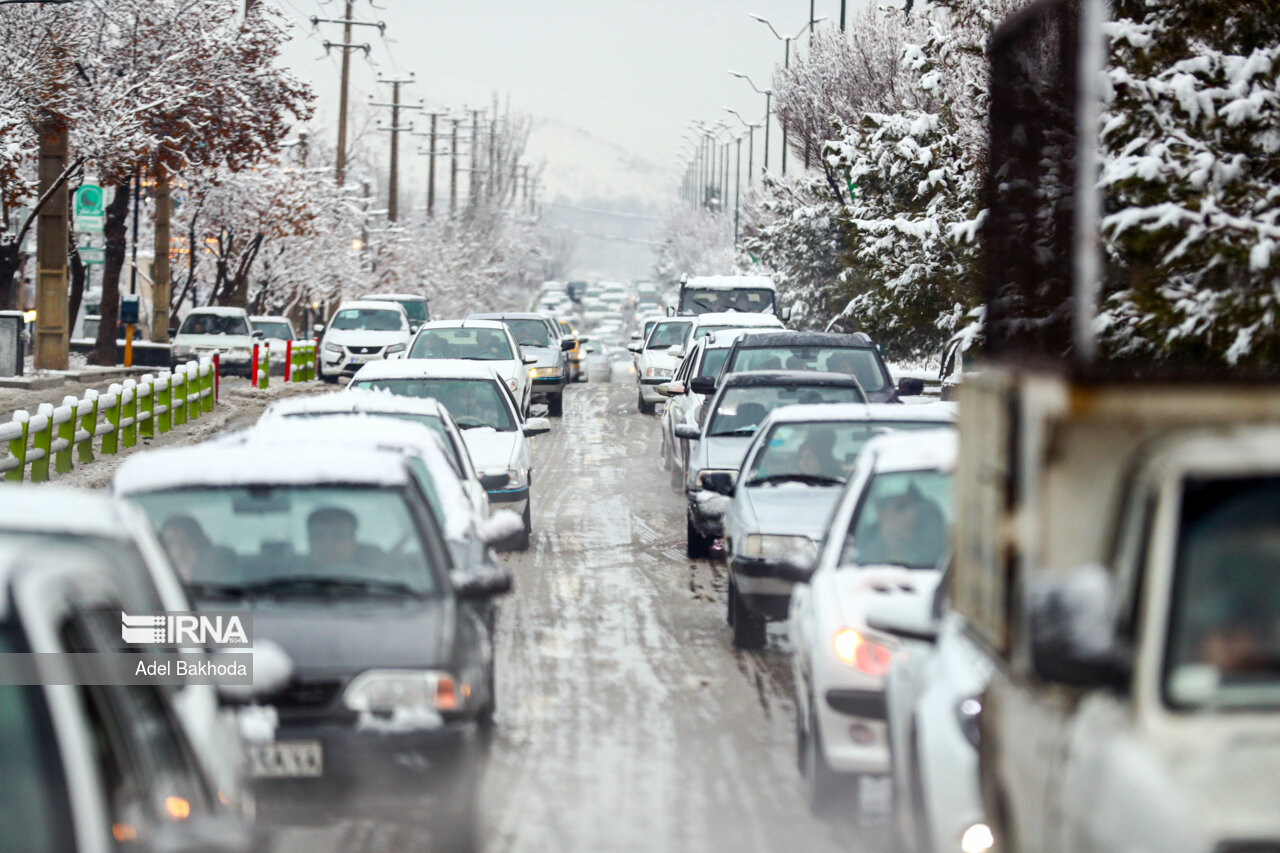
361	332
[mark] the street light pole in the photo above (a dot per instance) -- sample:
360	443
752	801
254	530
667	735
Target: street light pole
786	63
737	191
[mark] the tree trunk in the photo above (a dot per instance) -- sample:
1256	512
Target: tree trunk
78	270
115	232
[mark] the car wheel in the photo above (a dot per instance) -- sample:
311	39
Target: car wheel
645	408
728	609
697	546
825	791
749	630
522	539
332	380
555	405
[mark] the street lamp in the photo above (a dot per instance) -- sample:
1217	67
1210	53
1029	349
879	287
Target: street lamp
768	95
751	144
786	63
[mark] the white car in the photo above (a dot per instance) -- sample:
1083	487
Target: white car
706	324
416	307
791	478
496	434
429	413
489	341
887	536
933	700
656	362
221	330
361	332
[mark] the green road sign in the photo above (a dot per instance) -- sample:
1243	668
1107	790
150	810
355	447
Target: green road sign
91	254
89	201
88	224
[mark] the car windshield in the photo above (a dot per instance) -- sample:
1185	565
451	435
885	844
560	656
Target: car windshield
214	324
472	402
368	319
530	333
667	335
743	408
273	329
706	301
712	361
32	789
859	362
1224	620
903	519
817	452
431	421
473	344
292	540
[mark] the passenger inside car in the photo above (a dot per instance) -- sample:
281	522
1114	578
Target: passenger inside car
190	548
331	538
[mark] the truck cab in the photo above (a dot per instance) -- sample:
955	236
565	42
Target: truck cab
717	294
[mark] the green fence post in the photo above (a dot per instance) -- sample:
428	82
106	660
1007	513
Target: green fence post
66	437
18	446
206	385
129	413
266	366
178	396
42	440
195	407
146	406
88	412
164	402
111	411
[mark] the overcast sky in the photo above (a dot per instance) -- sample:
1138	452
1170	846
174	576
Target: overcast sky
632	73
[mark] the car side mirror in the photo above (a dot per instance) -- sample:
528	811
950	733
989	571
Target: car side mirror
257	334
671	312
705	385
584	340
1072	627
567	344
720	482
664	390
687	431
634	347
537	426
635	336
530	359
785	314
676	388
471	586
317	329
797	567
904	616
676	351
910	386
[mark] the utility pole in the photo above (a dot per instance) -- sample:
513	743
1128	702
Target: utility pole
51	338
475	145
841	15
348	21
393	188
453	167
431	154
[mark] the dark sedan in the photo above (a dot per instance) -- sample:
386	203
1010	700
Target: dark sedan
852	355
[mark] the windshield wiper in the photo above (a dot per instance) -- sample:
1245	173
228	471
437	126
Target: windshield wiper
207	589
331	583
739	431
476	426
808	479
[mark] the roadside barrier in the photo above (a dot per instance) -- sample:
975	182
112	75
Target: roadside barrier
299	363
154	405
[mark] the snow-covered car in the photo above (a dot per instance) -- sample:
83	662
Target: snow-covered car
490	341
276	332
707	324
887	536
122	536
416	307
429	413
597	361
215	329
933	701
854	354
361	332
656	359
85	757
730	420
491	424
341	562
702	360
791	478
540	338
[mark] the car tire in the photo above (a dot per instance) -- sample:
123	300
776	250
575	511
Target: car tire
749	631
522	538
697	547
555	405
728	608
645	408
825	791
332	380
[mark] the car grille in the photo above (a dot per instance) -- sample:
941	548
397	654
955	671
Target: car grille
363	350
306	694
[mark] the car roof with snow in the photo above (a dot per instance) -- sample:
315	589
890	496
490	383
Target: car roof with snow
731	282
725	338
468	323
220	310
371	304
354	400
379	297
939	413
737	318
424	368
61	510
788	377
789	338
920	450
509	315
236	463
273	318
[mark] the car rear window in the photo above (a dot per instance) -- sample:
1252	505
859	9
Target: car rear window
858	362
742	409
472	402
473	344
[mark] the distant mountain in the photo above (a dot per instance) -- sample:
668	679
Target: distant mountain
580	166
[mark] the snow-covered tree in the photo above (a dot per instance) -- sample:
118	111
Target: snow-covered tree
695	241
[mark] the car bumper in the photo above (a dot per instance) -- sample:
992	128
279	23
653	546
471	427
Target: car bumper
513	499
544	388
396	771
855	736
706	516
761	589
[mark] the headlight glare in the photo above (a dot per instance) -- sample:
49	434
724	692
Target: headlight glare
387	690
867	656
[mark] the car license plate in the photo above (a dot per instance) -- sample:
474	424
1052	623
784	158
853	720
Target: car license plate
360	359
286	759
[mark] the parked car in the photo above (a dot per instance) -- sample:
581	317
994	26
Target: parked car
538	338
655	362
416	307
490	341
933	704
729	422
89	766
220	330
495	433
791	478
887	537
342	563
854	354
361	332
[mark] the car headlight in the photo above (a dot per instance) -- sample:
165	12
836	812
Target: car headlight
544	372
968	712
386	690
332	348
517	478
865	655
733	475
181	351
768	547
658	372
395	348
